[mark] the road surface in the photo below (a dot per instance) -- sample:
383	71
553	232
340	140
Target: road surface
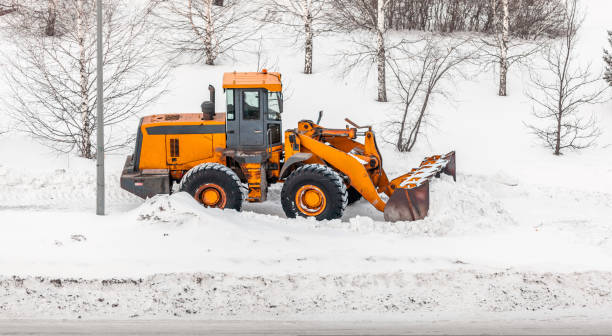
565	326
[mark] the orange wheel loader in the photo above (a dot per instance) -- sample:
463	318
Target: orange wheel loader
221	159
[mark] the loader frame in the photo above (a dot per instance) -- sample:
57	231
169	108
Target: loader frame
247	140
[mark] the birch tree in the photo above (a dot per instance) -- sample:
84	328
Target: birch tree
503	50
352	15
52	81
563	90
202	30
381	60
304	17
503	38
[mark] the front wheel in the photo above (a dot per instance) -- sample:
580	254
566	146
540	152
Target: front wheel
314	190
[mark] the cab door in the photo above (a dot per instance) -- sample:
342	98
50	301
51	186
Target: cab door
251	116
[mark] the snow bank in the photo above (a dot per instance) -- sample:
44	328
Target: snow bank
303	296
37	180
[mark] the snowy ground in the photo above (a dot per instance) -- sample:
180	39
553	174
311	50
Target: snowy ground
520	232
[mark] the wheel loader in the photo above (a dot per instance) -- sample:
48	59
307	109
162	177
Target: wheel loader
223	159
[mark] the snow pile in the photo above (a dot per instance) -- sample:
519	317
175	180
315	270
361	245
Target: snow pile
324	296
175	210
456	209
461	208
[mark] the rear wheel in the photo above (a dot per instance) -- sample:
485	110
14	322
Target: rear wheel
214	186
314	191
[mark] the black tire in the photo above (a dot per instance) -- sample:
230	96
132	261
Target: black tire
328	181
219	175
353	195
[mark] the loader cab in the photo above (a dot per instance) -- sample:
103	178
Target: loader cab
253	119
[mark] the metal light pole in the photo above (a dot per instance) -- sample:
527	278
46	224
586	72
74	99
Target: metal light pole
100	118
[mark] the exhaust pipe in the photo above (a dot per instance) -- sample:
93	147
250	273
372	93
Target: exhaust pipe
208	107
211	91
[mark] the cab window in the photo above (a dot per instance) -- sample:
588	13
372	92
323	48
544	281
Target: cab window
274	109
250	107
231	110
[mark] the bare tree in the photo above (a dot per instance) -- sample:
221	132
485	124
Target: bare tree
420	70
304	17
504	50
368	15
558	100
503	38
381	59
53	80
203	29
608	61
263	59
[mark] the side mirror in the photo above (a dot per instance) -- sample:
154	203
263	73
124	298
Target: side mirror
320	117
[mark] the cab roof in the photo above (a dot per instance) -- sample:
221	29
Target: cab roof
253	80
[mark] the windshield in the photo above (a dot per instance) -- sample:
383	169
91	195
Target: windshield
274	106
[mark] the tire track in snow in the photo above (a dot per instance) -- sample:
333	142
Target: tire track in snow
59	189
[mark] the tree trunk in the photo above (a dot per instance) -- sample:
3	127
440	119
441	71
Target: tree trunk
558	140
560	113
51	18
417	127
503	77
209	48
400	136
503	52
309	37
380	53
85	146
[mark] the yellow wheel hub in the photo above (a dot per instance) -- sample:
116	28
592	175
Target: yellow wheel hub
310	200
211	195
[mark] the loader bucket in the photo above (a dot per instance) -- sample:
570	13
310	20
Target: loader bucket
408	204
409	200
